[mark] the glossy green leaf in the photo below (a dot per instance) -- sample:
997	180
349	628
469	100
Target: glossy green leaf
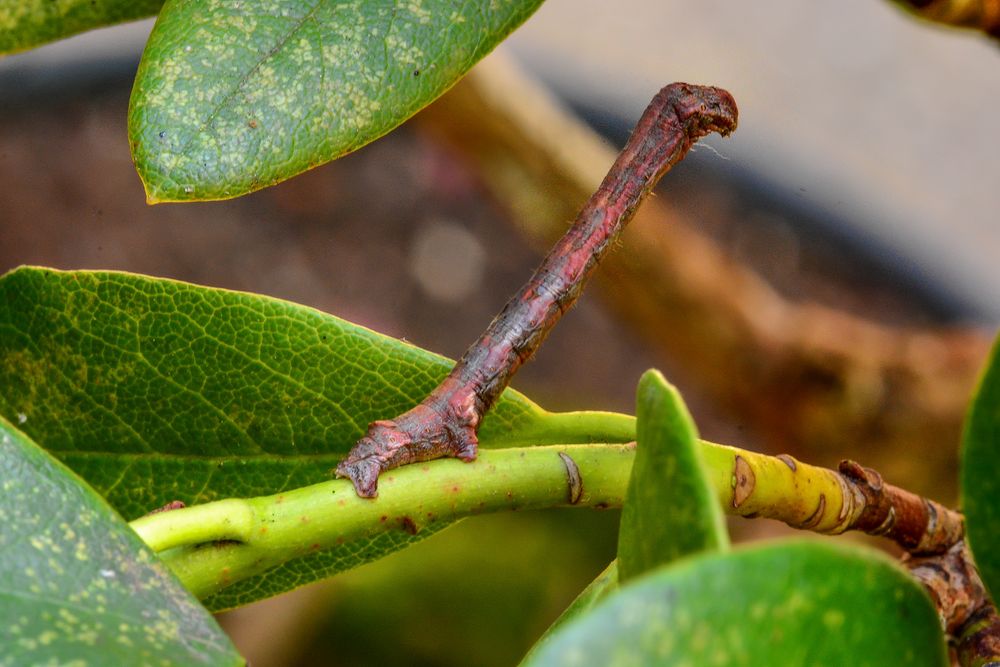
671	510
28	23
155	390
230	99
77	586
797	604
980	486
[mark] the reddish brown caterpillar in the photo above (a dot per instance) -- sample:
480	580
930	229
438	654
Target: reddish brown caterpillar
445	423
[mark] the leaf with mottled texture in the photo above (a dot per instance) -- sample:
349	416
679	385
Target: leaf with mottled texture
233	96
28	23
797	604
981	474
77	586
671	510
155	390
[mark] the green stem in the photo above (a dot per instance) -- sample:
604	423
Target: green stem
256	534
583	427
230	519
214	545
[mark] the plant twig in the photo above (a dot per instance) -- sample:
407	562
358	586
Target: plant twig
967	614
919	525
267	531
213	545
445	423
831	502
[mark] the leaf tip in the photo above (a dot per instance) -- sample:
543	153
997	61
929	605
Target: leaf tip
654	383
655	378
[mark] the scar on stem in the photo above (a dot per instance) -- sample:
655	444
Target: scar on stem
788	461
573	479
744	481
817	515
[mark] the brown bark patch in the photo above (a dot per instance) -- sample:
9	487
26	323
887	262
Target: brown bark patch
744	481
574	481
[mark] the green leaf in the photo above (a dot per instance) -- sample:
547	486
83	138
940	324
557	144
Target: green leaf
980	486
793	604
309	569
228	100
671	509
77	586
28	23
155	390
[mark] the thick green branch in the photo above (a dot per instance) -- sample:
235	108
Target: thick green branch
213	545
256	534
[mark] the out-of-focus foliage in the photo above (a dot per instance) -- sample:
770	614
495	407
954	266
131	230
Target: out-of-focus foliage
28	23
78	585
981	474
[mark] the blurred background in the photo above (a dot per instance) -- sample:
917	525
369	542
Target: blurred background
823	283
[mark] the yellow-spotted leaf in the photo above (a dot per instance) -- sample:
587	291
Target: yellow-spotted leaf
78	586
28	23
232	96
795	604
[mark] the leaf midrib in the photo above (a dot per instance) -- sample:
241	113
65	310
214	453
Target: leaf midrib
242	81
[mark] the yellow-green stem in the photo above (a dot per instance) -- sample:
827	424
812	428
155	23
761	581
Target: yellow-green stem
267	531
213	545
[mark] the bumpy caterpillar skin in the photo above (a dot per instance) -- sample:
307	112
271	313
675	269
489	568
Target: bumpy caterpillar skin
445	423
